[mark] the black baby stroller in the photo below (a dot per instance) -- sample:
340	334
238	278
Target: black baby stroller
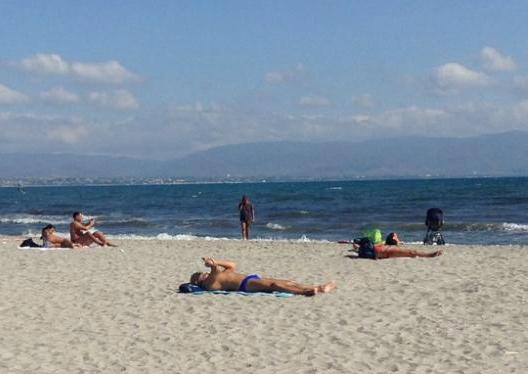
434	221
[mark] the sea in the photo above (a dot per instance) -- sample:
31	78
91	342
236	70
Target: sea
477	210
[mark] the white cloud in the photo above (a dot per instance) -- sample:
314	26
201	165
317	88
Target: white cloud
111	72
454	75
23	131
45	63
493	60
362	101
197	107
274	77
118	99
59	95
401	118
67	135
180	130
9	96
286	75
107	72
314	101
361	119
521	82
520	111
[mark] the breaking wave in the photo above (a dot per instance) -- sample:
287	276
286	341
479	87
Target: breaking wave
275	226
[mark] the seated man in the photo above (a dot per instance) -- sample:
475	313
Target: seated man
79	232
223	277
50	240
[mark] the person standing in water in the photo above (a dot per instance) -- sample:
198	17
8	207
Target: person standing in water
247	216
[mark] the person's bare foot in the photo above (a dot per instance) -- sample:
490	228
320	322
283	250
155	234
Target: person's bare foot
324	288
435	254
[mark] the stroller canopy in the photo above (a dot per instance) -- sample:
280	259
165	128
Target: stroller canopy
434	217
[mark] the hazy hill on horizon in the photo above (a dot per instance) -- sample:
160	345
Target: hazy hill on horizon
503	154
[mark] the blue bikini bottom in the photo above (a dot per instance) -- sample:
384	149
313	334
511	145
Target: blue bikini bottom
247	278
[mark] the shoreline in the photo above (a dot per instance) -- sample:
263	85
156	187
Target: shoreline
164	237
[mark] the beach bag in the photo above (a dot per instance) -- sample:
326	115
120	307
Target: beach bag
366	249
29	243
374	235
190	288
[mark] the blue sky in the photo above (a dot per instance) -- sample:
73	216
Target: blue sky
160	79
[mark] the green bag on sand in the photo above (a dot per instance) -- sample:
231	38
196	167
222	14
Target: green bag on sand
374	235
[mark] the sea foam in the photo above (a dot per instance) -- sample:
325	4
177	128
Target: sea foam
514	227
275	226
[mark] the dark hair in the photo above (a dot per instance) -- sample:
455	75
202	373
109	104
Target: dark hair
244	200
43	232
76	214
390	240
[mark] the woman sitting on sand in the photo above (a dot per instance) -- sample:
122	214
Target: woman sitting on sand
223	277
50	240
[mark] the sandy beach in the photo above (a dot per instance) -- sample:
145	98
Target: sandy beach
101	310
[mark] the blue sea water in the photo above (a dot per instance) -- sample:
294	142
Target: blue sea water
483	211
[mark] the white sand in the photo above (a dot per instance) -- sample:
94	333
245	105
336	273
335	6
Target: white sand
104	311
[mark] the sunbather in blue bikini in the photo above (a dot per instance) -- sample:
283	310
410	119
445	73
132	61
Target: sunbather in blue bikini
223	277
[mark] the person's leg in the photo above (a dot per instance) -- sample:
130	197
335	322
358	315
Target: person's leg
99	235
56	241
68	244
248	225
397	252
54	244
284	285
87	239
243	227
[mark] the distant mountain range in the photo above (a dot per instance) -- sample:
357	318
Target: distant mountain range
503	154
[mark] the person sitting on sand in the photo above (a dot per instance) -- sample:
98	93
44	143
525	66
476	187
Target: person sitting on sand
223	277
50	240
387	250
79	232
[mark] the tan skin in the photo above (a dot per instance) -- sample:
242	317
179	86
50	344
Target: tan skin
57	241
385	251
223	277
79	233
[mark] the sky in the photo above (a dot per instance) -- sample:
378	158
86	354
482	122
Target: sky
162	79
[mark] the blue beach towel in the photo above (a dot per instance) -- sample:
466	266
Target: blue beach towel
197	290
